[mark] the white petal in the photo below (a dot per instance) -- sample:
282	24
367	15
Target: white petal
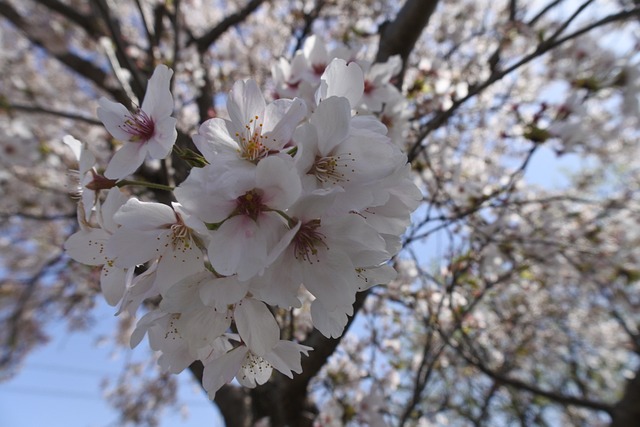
74	144
238	246
254	370
145	215
330	323
114	201
178	263
219	293
113	281
135	247
88	247
213	138
331	120
285	357
202	327
344	80
278	125
126	160
221	370
245	102
158	102
256	326
279	181
164	136
113	116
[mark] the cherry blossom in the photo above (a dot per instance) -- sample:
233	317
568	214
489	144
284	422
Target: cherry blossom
149	130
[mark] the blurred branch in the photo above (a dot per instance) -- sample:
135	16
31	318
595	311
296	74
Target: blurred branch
399	36
138	85
82	67
309	19
205	41
42	110
503	380
85	21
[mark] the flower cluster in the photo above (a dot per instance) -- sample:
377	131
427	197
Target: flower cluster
301	77
293	197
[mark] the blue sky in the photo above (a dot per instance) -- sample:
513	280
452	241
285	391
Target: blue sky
59	384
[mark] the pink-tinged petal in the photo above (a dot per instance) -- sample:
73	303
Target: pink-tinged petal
213	138
126	160
245	102
164	136
219	293
145	216
135	247
221	370
345	80
88	247
158	102
113	282
238	246
279	181
113	116
331	120
285	357
256	326
330	323
178	263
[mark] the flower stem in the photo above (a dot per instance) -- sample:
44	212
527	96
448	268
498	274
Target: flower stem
125	182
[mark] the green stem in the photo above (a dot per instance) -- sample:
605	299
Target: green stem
124	182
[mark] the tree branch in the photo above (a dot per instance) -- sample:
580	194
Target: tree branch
205	41
400	36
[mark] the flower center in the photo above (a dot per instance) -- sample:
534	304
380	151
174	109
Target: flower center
180	235
250	204
307	241
332	168
251	143
139	125
368	87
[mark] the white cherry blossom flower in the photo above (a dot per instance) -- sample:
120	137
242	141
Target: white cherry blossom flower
245	202
255	129
151	231
150	130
